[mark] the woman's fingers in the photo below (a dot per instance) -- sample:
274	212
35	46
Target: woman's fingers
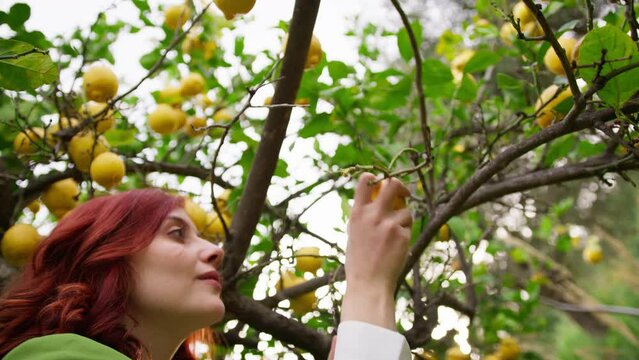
363	191
392	191
403	217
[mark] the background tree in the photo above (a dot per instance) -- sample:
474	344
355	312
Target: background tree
510	127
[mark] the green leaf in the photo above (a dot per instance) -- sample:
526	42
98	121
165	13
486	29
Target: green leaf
481	60
437	79
403	40
505	81
26	72
149	59
239	46
617	45
18	15
317	125
467	90
121	137
339	70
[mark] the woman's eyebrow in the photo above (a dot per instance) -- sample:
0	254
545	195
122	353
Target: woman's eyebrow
176	219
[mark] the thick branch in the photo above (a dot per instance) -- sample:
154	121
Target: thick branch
284	329
535	179
252	201
177	169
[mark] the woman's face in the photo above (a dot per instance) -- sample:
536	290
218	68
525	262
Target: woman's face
176	277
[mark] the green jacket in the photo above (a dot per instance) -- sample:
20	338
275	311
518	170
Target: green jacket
63	347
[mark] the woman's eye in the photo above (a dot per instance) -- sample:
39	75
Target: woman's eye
178	233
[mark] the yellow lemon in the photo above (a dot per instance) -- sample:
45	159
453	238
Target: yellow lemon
192	84
34	206
459	62
61	196
222	115
568	42
83	148
592	254
196	213
508	349
314	55
103	119
193	123
170	95
507	33
107	169
165	119
523	13
307	259
18	244
176	16
398	202
455	353
25	142
214	230
63	123
299	304
231	8
545	107
444	233
100	83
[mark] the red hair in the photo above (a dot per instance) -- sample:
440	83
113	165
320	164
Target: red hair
79	279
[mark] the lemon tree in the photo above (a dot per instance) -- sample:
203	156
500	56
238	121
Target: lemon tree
509	127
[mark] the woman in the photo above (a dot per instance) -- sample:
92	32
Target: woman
126	276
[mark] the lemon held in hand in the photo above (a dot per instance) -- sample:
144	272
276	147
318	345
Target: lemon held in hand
398	203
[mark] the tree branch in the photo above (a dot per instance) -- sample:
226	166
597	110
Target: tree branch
284	329
535	179
259	178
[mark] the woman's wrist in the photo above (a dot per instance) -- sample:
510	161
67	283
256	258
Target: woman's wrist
369	304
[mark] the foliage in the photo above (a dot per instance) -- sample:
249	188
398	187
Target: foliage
480	172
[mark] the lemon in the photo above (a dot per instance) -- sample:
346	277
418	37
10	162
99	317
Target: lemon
300	304
459	62
508	349
307	259
103	120
63	123
100	83
314	55
25	142
107	169
507	33
176	16
592	254
196	213
192	84
455	353
193	123
61	196
170	95
398	202
222	115
18	243
214	229
165	119
83	148
444	233
568	42
34	206
548	114
523	13
231	8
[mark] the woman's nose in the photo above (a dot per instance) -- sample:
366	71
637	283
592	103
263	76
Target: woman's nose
213	254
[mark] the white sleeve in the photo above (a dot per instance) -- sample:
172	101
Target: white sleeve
359	340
